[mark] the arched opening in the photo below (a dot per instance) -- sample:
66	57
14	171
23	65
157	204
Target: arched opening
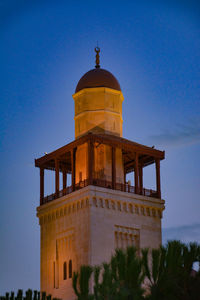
65	271
70	268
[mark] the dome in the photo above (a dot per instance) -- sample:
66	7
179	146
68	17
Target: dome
98	78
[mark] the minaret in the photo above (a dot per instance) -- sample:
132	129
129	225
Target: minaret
99	211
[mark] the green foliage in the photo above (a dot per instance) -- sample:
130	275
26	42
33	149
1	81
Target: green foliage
80	283
121	279
169	271
164	273
29	295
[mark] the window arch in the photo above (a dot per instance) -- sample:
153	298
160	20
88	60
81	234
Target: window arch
107	203
124	207
113	204
130	208
148	211
118	205
142	210
70	268
65	271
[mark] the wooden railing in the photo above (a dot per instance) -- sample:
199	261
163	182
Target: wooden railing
101	183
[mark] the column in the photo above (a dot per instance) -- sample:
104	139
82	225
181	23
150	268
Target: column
136	173
41	185
64	178
158	178
90	161
141	179
124	176
113	167
73	166
57	184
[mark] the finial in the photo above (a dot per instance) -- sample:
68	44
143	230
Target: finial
97	50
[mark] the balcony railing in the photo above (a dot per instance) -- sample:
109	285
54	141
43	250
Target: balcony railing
101	183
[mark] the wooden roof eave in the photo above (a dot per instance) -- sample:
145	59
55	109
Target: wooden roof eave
40	162
127	145
103	139
143	161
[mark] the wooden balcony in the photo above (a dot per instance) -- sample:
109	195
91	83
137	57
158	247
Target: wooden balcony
135	157
101	183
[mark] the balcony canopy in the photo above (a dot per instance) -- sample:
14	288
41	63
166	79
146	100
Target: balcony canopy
146	155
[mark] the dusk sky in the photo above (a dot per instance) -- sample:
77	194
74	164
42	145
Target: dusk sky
152	48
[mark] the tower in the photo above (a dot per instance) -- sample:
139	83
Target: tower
83	223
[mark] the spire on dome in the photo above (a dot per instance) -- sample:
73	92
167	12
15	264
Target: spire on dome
97	77
97	50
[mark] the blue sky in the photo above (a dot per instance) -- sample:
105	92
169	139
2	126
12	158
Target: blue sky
153	49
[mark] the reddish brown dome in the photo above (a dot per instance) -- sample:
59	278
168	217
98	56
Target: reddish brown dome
98	78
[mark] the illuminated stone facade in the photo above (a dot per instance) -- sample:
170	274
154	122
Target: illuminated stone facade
98	110
102	163
87	225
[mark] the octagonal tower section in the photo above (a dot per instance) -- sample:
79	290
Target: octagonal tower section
98	110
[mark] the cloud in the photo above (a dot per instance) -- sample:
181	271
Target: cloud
186	233
181	135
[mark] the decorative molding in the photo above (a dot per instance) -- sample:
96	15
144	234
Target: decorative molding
126	236
101	203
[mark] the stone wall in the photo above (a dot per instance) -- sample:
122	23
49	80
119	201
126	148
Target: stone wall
87	225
